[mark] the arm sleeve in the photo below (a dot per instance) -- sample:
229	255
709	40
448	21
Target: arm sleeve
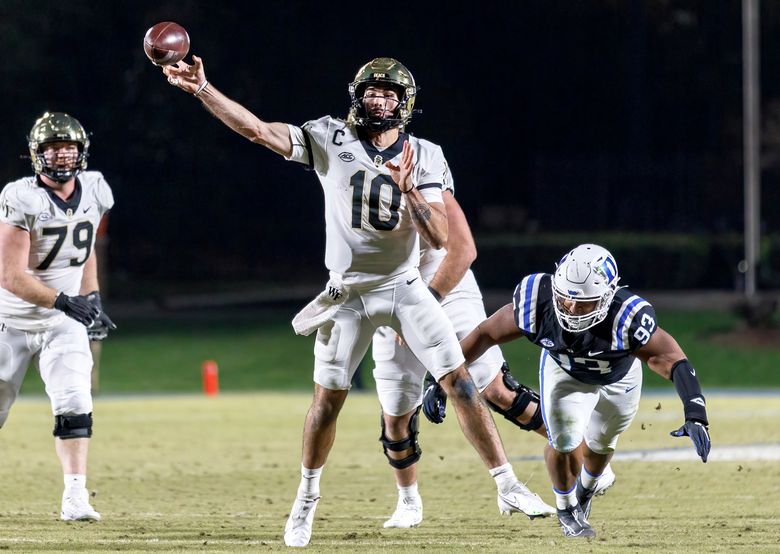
309	143
104	195
634	324
14	210
525	301
432	173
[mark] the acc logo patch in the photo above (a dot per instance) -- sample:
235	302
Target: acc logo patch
547	343
45	216
346	157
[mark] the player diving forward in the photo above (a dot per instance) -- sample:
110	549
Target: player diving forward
382	187
594	336
48	268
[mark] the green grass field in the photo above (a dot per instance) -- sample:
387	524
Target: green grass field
259	351
188	473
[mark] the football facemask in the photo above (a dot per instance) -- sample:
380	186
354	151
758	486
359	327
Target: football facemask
57	127
584	283
386	73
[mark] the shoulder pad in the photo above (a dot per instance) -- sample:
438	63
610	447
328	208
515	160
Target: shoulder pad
526	299
95	185
626	313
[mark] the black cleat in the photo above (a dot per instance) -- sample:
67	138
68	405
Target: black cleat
574	524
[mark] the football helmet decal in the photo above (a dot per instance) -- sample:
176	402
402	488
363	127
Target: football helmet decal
386	72
584	283
57	127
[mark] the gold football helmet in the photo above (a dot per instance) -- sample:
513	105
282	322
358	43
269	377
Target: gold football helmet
57	127
388	72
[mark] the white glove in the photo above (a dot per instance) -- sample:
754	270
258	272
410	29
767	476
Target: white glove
320	310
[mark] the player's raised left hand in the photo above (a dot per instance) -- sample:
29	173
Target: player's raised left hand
699	435
402	174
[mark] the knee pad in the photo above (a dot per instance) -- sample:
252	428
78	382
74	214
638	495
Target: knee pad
73	426
523	397
404	444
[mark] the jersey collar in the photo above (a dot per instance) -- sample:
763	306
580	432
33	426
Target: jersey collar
379	157
71	203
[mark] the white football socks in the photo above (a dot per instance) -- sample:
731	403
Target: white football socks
309	489
565	499
408	492
504	477
75	481
587	479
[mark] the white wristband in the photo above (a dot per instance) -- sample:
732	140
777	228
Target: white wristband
202	86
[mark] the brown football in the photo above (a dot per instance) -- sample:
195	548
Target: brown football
166	43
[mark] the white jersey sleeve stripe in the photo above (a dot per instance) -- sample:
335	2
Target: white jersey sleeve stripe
625	316
525	302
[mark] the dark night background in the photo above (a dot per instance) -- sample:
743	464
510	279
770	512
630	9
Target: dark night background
601	119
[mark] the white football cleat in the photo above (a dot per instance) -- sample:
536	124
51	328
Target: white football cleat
297	530
408	513
76	506
605	481
520	499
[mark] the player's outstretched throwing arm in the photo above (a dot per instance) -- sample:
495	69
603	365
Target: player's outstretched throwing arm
192	79
663	355
430	220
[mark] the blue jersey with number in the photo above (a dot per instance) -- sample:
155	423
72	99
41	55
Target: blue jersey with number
598	356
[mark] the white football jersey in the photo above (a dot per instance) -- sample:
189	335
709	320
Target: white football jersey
369	232
62	236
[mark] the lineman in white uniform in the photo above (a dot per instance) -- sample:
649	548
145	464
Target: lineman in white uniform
399	374
382	187
48	270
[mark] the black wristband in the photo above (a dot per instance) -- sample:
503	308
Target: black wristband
689	390
435	294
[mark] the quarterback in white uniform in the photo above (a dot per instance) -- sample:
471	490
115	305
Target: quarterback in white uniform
382	191
49	296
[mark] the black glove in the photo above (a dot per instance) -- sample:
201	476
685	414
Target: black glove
434	402
699	435
77	307
102	324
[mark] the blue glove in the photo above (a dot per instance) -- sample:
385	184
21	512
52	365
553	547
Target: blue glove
699	435
434	402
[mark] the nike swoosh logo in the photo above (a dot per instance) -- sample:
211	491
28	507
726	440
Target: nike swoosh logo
693	372
595	353
629	389
87	209
409	282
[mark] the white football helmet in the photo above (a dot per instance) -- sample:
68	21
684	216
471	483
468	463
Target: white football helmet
586	275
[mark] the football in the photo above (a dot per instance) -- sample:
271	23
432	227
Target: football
166	43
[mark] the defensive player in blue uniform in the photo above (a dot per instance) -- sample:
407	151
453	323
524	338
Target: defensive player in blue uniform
594	337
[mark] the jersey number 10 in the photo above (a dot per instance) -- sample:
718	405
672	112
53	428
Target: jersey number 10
357	182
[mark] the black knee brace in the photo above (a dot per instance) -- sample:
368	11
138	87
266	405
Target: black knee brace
403	444
523	397
73	426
